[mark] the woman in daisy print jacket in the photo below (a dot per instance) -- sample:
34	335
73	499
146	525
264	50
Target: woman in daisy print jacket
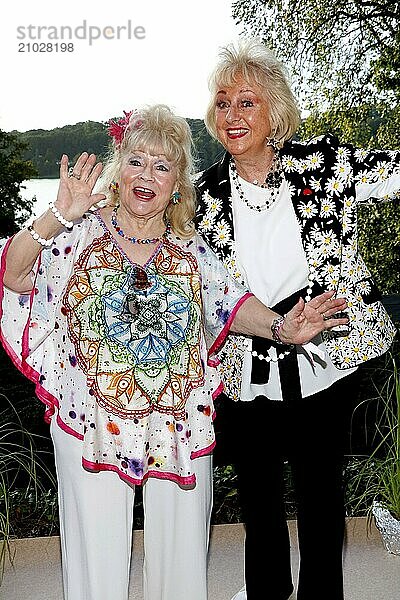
282	215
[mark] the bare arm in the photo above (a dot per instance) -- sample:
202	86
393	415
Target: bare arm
302	323
74	198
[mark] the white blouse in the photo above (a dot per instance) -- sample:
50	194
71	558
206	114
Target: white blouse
270	255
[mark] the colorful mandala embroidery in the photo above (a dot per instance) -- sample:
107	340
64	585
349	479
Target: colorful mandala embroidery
139	348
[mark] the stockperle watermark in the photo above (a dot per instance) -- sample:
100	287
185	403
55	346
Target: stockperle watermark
63	38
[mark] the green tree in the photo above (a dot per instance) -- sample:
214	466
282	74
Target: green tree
386	69
207	149
46	147
14	210
337	49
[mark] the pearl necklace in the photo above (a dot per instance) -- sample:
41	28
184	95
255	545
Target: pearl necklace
272	183
135	240
281	355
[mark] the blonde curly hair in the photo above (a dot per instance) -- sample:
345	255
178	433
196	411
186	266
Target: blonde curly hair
151	128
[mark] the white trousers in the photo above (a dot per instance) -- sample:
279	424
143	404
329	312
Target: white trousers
96	530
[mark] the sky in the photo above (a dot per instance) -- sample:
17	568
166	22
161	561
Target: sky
121	54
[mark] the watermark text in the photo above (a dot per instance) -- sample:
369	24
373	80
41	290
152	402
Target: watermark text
84	31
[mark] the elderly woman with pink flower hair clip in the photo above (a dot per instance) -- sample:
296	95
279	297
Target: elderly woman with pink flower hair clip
114	307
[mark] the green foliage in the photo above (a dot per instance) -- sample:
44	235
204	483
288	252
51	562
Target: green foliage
33	513
379	241
207	149
357	126
340	52
45	148
226	498
14	169
21	469
376	477
386	69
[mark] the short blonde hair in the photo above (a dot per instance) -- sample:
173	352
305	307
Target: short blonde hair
253	62
151	128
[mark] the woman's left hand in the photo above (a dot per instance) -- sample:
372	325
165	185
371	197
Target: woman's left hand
305	320
75	193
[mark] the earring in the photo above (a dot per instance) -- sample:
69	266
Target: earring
176	198
273	142
114	187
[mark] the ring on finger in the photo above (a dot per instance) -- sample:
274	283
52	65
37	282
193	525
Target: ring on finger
72	174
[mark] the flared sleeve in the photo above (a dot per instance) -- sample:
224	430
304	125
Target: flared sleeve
222	296
28	320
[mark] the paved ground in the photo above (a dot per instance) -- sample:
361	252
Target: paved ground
371	573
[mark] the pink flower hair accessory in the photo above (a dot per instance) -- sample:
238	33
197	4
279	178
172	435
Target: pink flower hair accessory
117	129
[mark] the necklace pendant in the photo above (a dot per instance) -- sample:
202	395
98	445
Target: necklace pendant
273	189
141	280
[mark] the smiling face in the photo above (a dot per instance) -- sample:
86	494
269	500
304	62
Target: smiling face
242	119
147	182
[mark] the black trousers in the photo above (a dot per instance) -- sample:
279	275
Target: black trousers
310	433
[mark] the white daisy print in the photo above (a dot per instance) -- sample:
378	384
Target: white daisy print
302	165
360	154
343	153
381	171
289	164
334	186
328	241
327	208
307	209
364	287
213	204
315	160
206	223
349	270
315	184
342	170
363	177
222	233
331	270
315	232
348	223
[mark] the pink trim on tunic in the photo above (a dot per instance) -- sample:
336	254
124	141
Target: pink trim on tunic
218	391
221	338
20	363
97	467
52	403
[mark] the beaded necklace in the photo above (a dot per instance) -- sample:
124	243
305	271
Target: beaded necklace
272	184
135	240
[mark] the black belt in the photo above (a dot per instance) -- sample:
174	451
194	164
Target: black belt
288	366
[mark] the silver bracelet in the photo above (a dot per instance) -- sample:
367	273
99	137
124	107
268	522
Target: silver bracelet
40	240
59	217
276	327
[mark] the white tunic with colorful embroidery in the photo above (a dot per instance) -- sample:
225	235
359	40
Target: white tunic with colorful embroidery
118	352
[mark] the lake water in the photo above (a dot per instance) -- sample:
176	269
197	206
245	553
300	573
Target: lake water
45	191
